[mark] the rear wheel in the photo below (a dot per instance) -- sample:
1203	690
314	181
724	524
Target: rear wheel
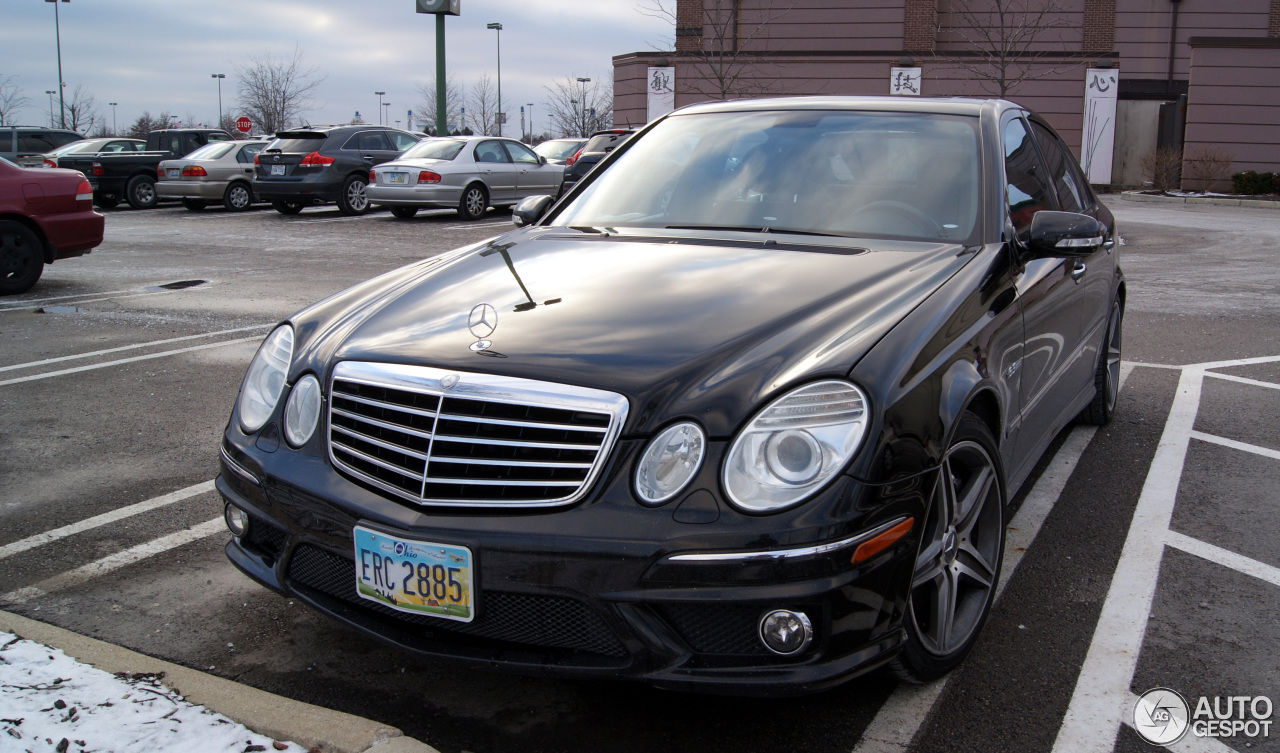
106	201
1107	376
958	563
194	205
141	192
237	197
404	213
353	199
286	207
21	258
474	202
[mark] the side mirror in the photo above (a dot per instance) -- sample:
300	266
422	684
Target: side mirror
530	210
542	160
1064	234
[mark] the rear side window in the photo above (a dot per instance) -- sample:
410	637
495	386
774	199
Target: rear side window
36	142
402	140
369	141
1073	194
490	151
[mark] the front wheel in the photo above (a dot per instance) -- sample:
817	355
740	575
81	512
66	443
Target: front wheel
958	562
195	205
474	202
141	192
21	258
403	213
286	207
1106	378
353	200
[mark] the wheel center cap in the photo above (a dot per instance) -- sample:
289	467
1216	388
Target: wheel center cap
949	547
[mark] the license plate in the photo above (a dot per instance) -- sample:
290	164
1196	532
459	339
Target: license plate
398	179
277	169
418	577
173	172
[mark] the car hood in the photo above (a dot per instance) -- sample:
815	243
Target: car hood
681	324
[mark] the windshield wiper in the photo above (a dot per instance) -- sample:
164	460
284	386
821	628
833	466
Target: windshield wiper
766	229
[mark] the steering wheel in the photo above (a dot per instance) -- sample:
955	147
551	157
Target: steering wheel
903	209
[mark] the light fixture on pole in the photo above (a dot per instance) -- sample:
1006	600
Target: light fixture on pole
57	30
219	76
379	106
115	132
498	28
50	92
584	82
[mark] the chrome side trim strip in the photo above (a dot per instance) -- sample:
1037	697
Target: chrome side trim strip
784	554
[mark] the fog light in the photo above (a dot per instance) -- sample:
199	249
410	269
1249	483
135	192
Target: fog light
785	632
237	520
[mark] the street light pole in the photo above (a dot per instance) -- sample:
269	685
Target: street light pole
57	30
115	132
386	120
584	82
50	92
498	28
379	106
530	122
219	76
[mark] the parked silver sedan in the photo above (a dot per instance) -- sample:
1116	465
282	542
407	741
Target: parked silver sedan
220	171
109	145
468	173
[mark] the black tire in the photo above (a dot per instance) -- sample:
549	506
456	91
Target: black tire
1106	377
404	213
21	258
106	201
286	207
238	197
194	205
141	192
958	562
354	200
474	202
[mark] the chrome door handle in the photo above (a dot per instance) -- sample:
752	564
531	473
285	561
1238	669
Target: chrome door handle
1078	271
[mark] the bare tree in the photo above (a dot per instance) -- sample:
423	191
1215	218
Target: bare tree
729	58
276	92
426	106
482	107
146	124
1009	41
1208	166
578	108
80	110
11	100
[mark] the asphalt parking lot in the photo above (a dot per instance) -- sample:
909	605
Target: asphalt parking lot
1142	554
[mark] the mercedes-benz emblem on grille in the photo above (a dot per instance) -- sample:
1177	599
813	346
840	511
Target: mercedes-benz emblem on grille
482	323
448	381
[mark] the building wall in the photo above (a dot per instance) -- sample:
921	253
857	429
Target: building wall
1142	31
630	90
1233	101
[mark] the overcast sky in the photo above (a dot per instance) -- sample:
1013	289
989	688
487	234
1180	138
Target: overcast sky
158	55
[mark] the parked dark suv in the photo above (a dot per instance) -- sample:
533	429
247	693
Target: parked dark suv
27	145
308	166
599	145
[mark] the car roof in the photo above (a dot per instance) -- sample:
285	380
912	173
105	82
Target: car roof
940	105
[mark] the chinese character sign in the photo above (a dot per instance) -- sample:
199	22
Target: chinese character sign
662	91
1099	124
904	82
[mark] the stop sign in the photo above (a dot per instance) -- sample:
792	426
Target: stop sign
243	124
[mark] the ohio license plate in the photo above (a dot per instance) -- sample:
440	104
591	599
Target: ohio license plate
277	169
397	179
418	577
173	172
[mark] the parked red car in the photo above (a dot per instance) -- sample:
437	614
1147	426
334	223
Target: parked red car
45	215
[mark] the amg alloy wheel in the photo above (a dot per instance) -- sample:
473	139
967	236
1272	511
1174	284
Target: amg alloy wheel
1107	377
958	563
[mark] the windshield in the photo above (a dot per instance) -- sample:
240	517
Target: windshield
894	175
434	149
557	149
212	151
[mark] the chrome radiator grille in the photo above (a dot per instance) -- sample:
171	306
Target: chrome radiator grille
483	440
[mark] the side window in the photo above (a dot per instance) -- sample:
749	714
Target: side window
374	141
62	139
520	153
246	153
402	140
1025	187
36	142
490	151
218	137
1071	195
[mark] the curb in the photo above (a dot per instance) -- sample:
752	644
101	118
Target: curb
1209	200
268	714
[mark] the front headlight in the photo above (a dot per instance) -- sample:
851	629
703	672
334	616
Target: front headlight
795	445
265	380
302	411
670	462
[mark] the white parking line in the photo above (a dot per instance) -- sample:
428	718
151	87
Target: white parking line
900	717
29	301
106	364
40	539
1233	444
486	224
1243	380
150	344
107	297
114	562
1225	557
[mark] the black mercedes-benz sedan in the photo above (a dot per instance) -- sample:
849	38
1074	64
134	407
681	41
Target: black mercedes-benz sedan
742	412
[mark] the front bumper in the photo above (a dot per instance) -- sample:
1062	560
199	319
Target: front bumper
434	196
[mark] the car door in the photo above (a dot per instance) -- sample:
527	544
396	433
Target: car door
496	171
533	176
1050	372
